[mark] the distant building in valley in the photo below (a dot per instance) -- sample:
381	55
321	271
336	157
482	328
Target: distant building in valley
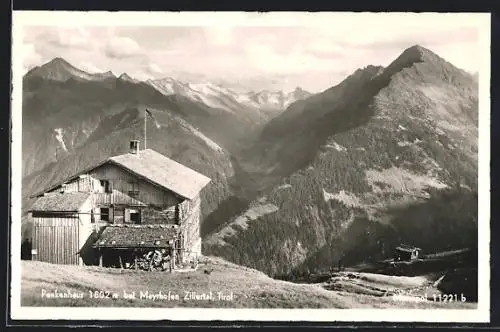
406	253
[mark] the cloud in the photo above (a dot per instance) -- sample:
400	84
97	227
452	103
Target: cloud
89	67
67	37
146	70
265	58
314	56
141	75
403	37
153	68
30	57
219	36
323	45
122	48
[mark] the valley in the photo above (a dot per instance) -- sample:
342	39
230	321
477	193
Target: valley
355	170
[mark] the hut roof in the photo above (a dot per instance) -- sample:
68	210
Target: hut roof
156	169
163	171
137	236
65	202
407	249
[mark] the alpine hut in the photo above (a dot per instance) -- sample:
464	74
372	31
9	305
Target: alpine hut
120	209
406	253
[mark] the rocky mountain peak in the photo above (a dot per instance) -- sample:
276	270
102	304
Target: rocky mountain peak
58	69
109	73
58	61
410	56
125	77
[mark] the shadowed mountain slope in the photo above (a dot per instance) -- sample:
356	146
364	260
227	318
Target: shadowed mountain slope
388	155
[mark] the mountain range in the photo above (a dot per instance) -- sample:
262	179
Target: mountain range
217	96
210	93
300	180
72	119
389	155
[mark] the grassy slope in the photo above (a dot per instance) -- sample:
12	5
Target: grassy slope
251	288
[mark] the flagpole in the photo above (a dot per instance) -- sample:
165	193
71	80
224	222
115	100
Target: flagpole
145	137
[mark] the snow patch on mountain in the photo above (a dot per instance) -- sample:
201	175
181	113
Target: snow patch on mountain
228	98
59	137
336	146
207	93
127	78
278	100
211	95
407	143
167	86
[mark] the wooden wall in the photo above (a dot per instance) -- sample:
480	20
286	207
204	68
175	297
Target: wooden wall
83	183
56	239
121	181
86	228
154	216
124	182
190	212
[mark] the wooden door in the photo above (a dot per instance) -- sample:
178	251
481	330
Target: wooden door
56	240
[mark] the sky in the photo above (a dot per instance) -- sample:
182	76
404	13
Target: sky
261	55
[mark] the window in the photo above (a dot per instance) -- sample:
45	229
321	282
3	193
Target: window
105	185
132	216
133	193
105	214
135	217
133	189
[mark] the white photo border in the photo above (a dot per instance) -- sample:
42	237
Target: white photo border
20	19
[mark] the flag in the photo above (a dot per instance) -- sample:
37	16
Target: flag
148	112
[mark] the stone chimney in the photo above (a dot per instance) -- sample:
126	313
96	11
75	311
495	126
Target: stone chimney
134	146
